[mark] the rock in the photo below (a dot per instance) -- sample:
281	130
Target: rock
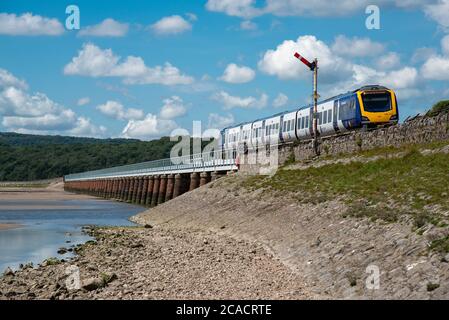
108	278
446	258
205	241
8	272
91	284
148	226
136	245
62	251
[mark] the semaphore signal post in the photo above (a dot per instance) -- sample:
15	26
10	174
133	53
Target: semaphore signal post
313	66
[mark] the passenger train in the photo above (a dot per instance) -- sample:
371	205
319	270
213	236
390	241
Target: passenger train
369	106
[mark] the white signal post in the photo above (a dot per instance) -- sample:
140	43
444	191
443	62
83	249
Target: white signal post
313	66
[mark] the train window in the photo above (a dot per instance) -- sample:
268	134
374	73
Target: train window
277	126
307	122
329	116
299	123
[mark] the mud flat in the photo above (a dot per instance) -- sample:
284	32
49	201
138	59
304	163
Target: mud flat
7	226
55	191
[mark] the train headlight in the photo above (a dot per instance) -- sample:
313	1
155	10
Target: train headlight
394	117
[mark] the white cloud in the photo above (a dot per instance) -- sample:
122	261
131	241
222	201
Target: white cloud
83	101
439	12
281	62
29	25
191	16
148	128
84	127
171	25
237	74
7	79
445	45
62	120
248	25
388	61
173	107
337	74
238	8
251	8
95	62
107	28
422	54
217	121
230	102
436	66
36	113
117	111
356	47
280	101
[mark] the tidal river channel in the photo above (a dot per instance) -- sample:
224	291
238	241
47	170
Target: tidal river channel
42	227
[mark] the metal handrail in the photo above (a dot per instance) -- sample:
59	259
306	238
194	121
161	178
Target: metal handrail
189	162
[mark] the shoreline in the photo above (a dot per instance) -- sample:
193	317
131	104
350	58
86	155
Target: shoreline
9	226
159	263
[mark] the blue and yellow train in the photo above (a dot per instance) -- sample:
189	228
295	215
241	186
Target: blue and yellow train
369	106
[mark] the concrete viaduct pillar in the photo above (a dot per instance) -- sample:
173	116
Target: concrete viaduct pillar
194	181
170	187
177	185
162	189
130	189
149	191
155	195
138	190
204	178
216	175
143	196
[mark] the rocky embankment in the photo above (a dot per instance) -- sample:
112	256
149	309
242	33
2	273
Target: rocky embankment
158	263
334	255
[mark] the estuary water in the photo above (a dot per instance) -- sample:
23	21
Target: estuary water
47	225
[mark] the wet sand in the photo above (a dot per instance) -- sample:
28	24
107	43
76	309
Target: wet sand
54	191
7	226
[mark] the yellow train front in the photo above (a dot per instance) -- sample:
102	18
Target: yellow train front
378	106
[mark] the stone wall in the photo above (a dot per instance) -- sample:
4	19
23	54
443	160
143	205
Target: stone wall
419	130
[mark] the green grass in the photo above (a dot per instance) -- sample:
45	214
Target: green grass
441	245
440	107
383	189
390	150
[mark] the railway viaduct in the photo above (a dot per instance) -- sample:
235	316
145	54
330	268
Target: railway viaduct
150	183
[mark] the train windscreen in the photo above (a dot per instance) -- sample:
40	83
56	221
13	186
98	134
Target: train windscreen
376	102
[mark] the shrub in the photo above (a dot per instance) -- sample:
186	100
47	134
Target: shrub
438	108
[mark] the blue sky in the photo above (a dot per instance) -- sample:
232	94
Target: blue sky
140	69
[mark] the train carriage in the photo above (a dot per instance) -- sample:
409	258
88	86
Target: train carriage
368	106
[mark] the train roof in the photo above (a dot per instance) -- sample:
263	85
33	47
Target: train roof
342	95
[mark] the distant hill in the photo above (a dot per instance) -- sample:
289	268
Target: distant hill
25	157
18	139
